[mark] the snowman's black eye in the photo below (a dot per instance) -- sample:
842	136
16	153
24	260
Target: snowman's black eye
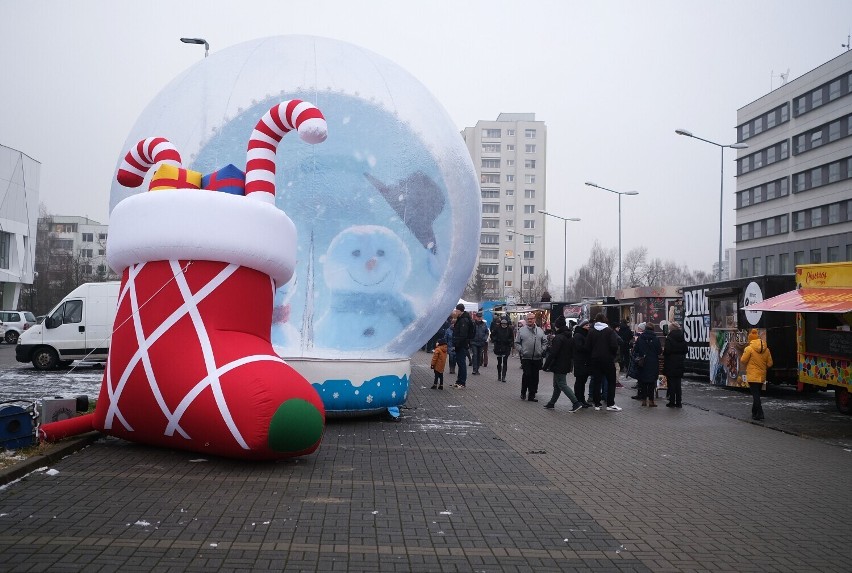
380	252
356	253
369	332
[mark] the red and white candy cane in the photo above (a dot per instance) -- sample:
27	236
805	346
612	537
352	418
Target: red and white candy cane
260	164
142	156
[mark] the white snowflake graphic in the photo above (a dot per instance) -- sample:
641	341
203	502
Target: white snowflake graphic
393	394
357	392
336	395
369	398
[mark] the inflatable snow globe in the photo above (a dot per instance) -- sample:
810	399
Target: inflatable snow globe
386	209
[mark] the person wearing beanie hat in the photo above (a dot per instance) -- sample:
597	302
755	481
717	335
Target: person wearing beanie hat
503	338
757	359
648	350
559	361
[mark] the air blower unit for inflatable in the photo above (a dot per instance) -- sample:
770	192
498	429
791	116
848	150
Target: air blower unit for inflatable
16	427
56	409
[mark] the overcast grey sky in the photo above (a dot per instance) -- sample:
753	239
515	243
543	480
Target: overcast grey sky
611	79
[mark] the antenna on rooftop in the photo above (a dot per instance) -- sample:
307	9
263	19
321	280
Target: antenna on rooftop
783	77
846	45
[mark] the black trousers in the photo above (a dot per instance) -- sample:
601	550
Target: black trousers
603	369
675	385
529	379
756	407
580	385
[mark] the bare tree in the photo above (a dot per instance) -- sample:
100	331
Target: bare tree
476	286
634	267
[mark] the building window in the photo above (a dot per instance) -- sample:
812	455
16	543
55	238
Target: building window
489	178
491	133
770	265
529	209
833	254
529	148
490	223
529	179
101	252
489	239
798	258
743	267
529	163
63	244
510	208
490	193
816	256
529	240
816	217
510	132
529	254
798	220
784	263
849	252
510	147
489	269
833	213
87	269
490	148
488	253
490	208
5	243
510	222
756	266
529	270
529	133
745	232
88	237
510	178
510	192
86	253
510	163
490	163
529	193
102	236
529	224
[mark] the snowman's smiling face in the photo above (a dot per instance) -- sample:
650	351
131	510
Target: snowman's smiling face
366	258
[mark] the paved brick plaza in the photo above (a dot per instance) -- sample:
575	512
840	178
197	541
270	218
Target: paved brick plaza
468	480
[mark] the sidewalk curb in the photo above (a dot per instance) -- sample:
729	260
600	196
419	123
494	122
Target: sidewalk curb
53	453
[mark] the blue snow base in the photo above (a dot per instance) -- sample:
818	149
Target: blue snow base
343	398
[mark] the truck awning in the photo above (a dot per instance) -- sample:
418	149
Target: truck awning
807	300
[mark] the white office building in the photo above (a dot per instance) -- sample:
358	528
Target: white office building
84	241
510	158
794	182
19	183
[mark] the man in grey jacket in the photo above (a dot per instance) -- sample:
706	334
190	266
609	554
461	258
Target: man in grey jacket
531	343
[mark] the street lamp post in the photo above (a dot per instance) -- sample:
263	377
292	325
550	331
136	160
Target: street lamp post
565	259
619	193
197	41
722	182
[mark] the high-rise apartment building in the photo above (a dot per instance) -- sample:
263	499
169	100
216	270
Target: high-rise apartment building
510	158
794	182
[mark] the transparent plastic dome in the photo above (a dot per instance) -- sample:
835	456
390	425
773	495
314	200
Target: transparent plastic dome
386	210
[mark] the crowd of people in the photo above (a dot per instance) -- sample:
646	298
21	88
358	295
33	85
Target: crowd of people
596	352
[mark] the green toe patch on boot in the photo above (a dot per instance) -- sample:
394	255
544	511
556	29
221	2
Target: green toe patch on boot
295	426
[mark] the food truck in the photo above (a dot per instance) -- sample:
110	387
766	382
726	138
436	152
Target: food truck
821	302
716	326
660	305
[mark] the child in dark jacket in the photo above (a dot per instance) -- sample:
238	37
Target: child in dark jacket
439	362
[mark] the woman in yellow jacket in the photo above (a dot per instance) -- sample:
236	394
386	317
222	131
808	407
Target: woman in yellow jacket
756	359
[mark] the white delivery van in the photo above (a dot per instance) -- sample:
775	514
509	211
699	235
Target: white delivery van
80	326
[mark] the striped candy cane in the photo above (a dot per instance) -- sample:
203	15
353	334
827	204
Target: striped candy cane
142	156
260	164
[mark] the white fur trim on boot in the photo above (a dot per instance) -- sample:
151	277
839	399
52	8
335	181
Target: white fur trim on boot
189	224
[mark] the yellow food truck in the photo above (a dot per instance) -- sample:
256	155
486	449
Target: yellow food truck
822	303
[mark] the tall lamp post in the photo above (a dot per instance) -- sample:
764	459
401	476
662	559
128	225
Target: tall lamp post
197	41
721	184
565	260
619	193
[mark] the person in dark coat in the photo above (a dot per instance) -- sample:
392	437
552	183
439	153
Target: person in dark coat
503	338
674	356
581	360
463	332
626	336
602	344
648	347
559	361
